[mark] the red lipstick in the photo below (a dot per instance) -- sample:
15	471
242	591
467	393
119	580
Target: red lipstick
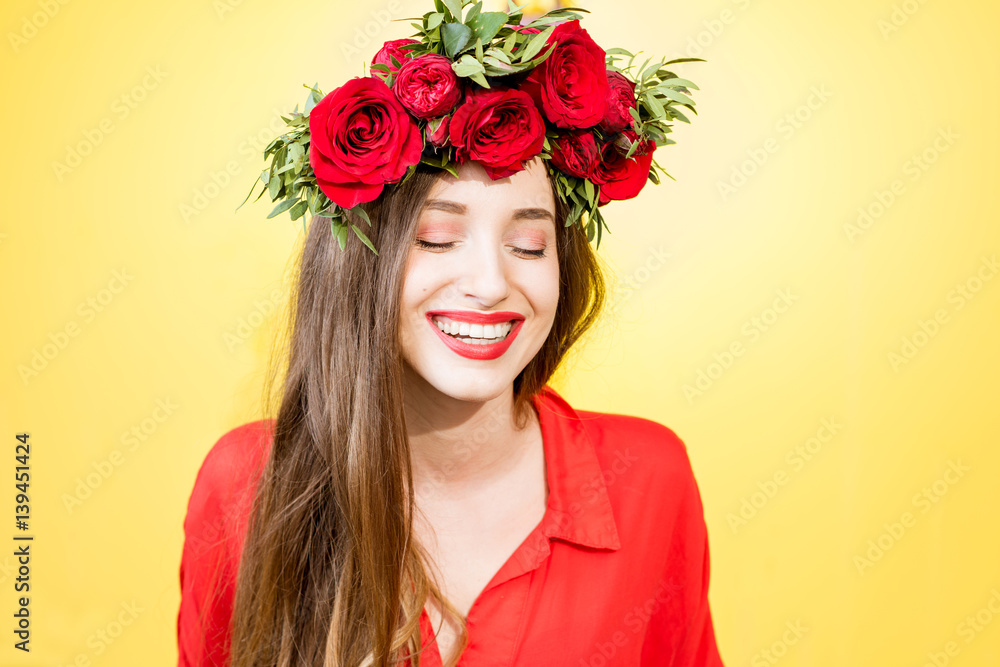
470	350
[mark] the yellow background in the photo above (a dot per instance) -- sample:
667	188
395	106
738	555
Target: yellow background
168	328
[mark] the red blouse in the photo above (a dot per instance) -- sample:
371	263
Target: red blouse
615	574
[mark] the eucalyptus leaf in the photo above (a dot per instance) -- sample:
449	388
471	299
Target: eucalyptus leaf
655	105
499	54
299	209
618	52
480	79
361	235
498	64
281	208
676	113
467	66
685	60
679	82
508	44
535	45
335	230
677	96
360	212
274	186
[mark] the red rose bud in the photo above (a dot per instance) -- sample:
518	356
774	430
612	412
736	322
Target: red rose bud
361	138
576	153
436	131
500	128
428	86
390	49
621	98
622	178
571	86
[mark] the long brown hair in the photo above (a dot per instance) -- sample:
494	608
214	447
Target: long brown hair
330	574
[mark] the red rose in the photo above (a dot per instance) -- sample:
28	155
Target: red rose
390	49
571	86
576	153
500	128
361	138
428	86
436	131
622	178
621	97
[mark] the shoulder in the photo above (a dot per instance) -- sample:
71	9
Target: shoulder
226	479
641	460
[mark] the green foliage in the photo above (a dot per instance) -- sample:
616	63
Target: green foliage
485	48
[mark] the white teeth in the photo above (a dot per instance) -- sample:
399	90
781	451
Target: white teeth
476	334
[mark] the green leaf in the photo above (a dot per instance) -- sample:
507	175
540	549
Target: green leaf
535	45
473	14
589	189
360	212
456	36
480	79
361	235
281	208
679	82
686	60
499	54
299	209
508	44
498	65
335	230
274	186
618	52
489	25
467	66
650	71
674	95
479	49
655	105
455	7
678	115
434	20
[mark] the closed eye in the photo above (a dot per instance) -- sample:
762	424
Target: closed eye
444	246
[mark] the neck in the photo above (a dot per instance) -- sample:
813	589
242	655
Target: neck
457	446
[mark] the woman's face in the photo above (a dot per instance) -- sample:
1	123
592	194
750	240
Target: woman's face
484	266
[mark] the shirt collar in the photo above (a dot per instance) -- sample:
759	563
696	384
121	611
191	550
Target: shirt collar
578	507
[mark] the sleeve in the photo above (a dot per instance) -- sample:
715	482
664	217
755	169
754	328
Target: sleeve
681	627
216	516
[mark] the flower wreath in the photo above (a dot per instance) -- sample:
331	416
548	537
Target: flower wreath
481	87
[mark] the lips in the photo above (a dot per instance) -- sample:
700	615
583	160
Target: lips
472	351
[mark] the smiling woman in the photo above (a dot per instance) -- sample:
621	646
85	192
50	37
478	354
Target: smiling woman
421	495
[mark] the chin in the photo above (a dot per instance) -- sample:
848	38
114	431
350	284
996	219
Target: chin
462	384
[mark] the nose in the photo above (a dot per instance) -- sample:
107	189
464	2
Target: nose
484	275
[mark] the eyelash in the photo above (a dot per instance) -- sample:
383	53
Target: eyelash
528	253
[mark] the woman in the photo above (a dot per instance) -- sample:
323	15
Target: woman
423	496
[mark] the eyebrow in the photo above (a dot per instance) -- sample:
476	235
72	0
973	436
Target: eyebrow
460	209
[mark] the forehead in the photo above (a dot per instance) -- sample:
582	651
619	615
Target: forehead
528	188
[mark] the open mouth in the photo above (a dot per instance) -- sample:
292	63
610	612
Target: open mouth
474	334
475	340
